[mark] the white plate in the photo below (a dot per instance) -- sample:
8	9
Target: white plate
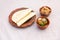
8	32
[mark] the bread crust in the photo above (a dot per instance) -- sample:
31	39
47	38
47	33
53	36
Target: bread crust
26	24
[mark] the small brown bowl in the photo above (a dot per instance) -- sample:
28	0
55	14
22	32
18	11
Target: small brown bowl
45	11
43	27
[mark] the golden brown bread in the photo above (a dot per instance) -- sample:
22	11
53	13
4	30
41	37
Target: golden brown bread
26	24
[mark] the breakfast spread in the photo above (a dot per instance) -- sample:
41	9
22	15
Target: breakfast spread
21	16
24	17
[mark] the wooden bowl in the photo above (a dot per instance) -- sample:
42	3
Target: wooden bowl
45	11
43	27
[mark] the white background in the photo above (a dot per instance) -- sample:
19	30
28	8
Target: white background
8	32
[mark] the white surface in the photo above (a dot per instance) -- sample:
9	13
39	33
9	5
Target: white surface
8	32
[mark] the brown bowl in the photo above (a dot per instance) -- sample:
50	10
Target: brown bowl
45	11
43	27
